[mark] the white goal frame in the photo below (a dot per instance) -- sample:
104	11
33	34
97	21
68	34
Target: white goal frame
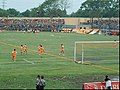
82	42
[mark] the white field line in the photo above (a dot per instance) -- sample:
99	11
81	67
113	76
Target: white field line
28	61
32	58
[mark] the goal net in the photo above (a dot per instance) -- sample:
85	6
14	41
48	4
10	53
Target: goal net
96	52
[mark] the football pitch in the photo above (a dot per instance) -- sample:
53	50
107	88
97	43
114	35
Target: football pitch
60	72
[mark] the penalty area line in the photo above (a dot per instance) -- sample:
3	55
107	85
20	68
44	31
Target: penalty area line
28	61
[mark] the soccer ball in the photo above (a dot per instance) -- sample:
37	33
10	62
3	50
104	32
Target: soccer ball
79	61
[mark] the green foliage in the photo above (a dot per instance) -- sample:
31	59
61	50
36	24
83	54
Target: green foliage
52	8
3	13
99	8
12	12
26	13
55	8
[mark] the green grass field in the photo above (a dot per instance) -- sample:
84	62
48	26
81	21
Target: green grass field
59	72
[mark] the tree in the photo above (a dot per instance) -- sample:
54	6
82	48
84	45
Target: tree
49	8
99	8
53	8
64	4
26	13
3	13
12	12
34	12
111	8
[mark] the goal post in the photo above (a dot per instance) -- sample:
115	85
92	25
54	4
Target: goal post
96	51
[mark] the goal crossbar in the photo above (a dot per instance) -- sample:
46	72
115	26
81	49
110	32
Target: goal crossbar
96	41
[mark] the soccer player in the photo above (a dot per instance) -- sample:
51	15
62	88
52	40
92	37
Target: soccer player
14	53
21	49
115	44
41	50
25	48
62	50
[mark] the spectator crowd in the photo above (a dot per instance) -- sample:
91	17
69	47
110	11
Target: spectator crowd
112	24
51	24
31	24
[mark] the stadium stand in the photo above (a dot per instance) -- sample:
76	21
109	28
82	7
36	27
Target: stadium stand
79	25
31	24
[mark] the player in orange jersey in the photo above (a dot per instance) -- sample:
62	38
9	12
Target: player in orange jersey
62	50
115	44
21	49
14	54
25	48
41	50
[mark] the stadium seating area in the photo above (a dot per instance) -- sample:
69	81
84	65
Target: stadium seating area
105	24
108	26
31	24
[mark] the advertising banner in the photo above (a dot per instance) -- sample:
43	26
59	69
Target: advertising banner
101	85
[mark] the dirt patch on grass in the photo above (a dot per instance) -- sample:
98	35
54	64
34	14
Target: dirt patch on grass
78	80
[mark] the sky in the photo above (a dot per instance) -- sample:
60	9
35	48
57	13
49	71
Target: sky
23	5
